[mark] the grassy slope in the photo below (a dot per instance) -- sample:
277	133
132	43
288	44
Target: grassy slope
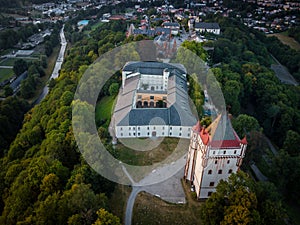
287	40
149	210
104	108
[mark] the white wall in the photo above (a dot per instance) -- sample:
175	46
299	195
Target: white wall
147	131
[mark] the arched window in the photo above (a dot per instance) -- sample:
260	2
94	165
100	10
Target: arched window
210	172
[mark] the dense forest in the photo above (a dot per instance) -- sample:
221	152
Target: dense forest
250	86
44	179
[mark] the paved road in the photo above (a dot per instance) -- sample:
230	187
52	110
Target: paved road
258	173
6	67
130	203
57	67
169	190
282	73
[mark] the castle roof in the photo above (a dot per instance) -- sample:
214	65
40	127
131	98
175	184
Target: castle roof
220	133
178	112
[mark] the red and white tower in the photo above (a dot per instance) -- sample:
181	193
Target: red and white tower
214	153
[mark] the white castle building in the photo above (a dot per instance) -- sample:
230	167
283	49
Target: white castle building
214	153
153	102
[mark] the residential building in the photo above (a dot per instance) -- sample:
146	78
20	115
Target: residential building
173	26
207	27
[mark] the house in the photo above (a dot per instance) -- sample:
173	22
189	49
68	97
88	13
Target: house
214	154
207	27
173	26
153	101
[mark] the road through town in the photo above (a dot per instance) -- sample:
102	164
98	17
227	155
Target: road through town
57	67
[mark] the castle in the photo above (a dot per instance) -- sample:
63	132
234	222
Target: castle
214	153
153	101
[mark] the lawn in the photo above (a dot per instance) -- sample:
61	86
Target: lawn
157	153
5	74
104	109
11	61
287	40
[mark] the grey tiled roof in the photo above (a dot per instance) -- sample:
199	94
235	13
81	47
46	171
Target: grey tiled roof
177	114
152	67
207	25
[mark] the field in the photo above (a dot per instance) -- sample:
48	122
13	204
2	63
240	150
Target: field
287	40
5	74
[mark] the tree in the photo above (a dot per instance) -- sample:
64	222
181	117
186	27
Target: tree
20	66
113	89
291	143
8	91
106	218
244	124
241	201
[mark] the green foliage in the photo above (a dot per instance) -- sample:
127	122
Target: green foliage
106	218
291	143
12	111
114	89
20	66
8	91
244	124
240	201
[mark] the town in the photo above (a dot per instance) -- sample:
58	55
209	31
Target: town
149	112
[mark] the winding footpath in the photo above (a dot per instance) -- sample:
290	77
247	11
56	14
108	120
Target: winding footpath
57	67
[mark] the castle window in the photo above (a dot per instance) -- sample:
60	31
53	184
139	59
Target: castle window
209	193
129	128
153	128
180	128
170	128
216	161
121	128
234	151
224	152
148	133
214	152
210	171
211	184
163	133
179	134
228	161
121	134
129	134
139	128
147	128
164	98
139	96
170	133
163	128
230	171
133	128
151	97
219	171
139	134
133	133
